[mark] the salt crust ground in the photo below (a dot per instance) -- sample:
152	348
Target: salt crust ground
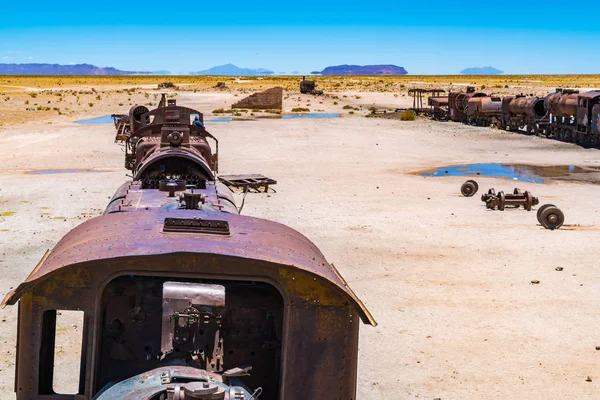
447	280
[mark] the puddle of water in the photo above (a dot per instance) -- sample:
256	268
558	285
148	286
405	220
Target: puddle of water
59	171
107	119
520	172
311	115
223	119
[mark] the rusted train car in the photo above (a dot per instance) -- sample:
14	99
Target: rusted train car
523	113
182	297
565	115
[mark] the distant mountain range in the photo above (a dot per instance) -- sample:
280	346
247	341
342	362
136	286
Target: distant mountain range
58	69
223	70
481	71
233	70
339	70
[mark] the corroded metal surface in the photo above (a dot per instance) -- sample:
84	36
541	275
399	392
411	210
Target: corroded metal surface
469	188
550	216
515	199
183	298
309	87
564	115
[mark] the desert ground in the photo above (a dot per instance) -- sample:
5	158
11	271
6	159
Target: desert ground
448	281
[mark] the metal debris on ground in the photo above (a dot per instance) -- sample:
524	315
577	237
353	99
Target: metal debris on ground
469	188
550	216
248	182
309	87
516	199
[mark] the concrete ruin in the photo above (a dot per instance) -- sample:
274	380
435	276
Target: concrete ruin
270	99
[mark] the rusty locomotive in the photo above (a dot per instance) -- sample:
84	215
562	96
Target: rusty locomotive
564	115
182	297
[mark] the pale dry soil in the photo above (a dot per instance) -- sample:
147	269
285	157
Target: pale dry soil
448	281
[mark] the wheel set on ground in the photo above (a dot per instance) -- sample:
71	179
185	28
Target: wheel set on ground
469	188
548	215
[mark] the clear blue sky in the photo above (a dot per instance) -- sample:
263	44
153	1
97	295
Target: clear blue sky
425	37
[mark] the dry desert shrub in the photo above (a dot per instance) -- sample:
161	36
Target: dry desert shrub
408	115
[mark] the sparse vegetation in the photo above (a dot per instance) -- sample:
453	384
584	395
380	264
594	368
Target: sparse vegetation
408	115
300	109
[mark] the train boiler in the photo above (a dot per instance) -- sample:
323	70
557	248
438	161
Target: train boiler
562	107
483	110
523	113
182	297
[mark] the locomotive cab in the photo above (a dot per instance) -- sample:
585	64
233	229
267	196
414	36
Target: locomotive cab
588	112
243	312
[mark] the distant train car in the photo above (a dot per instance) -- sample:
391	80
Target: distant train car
457	104
522	113
439	107
564	115
483	110
588	119
182	297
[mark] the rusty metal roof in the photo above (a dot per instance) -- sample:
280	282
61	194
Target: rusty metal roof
589	95
134	234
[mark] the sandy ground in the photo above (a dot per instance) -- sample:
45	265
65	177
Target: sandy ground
448	281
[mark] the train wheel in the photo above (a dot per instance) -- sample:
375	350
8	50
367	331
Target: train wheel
469	188
528	201
568	136
501	201
541	210
552	218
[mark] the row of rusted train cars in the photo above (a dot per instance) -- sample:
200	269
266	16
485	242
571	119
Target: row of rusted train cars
565	115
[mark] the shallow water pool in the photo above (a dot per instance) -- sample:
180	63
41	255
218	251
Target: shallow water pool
107	119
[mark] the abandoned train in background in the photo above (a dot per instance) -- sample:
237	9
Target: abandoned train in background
564	115
182	297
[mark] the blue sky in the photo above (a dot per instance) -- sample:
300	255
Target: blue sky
425	37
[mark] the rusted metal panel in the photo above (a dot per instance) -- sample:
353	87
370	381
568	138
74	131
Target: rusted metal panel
135	234
248	181
530	106
562	104
438	101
